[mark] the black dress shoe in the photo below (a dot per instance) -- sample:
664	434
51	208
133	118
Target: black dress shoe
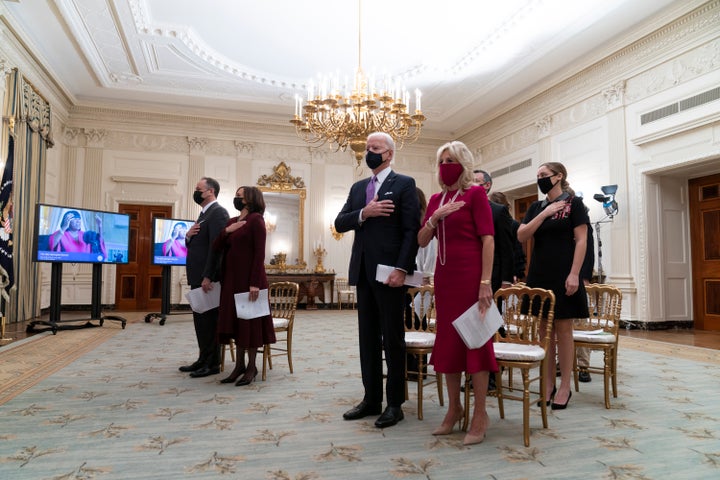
363	409
204	372
191	368
491	383
584	376
389	417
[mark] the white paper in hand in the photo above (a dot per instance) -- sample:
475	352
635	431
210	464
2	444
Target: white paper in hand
201	302
476	330
383	272
246	309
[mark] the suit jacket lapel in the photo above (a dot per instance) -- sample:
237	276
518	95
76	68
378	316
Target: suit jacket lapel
386	185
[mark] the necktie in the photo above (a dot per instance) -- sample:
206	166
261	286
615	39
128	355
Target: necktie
370	190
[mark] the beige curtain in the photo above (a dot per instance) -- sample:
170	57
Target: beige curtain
28	119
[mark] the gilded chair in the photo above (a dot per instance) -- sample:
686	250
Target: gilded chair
228	346
345	291
283	298
600	332
419	341
527	318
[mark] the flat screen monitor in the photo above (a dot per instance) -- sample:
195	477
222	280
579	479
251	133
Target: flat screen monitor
78	235
169	241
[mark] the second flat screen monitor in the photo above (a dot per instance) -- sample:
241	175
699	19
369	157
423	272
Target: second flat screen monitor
169	241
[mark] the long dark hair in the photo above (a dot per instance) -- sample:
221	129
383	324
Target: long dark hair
254	199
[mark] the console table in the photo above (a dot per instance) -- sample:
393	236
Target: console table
311	285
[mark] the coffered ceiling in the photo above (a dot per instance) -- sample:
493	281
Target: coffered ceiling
246	60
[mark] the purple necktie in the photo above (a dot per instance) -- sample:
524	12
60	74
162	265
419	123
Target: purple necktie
370	190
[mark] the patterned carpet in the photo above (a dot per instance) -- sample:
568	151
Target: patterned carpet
116	407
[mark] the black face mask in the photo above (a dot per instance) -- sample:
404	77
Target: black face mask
373	160
545	184
197	196
238	203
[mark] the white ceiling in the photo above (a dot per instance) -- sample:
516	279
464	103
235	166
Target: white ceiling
247	59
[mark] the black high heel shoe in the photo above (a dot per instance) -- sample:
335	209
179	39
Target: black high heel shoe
246	379
561	406
547	403
232	378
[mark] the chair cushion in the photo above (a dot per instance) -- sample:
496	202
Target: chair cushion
280	322
591	337
419	339
518	351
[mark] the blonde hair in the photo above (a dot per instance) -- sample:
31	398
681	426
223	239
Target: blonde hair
460	153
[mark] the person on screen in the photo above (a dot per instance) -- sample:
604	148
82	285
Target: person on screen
175	245
70	237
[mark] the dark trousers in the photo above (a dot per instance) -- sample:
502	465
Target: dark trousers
381	328
206	333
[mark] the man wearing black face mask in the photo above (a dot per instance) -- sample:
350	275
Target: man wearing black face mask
201	269
384	213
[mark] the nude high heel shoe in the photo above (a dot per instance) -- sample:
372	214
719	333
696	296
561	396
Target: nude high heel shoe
471	439
474	439
447	428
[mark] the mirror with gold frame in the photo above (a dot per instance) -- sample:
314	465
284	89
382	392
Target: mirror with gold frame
284	219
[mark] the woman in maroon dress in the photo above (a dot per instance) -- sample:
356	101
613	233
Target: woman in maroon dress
242	243
461	219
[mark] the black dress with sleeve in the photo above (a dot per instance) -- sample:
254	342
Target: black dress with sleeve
553	251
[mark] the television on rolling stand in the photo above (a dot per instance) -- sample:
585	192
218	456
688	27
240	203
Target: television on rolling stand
169	250
78	235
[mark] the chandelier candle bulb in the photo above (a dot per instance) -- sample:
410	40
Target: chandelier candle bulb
346	121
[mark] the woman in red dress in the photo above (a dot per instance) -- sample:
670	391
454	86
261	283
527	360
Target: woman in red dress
242	243
461	219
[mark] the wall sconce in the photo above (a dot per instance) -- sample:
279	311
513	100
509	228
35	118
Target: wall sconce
270	222
336	235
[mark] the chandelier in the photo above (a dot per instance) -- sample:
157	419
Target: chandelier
345	115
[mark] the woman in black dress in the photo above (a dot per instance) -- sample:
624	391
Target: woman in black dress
558	226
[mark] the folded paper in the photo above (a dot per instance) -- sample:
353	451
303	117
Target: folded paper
246	309
384	271
201	302
476	330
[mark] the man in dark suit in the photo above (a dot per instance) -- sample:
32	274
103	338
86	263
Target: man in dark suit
519	259
503	259
201	267
384	213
